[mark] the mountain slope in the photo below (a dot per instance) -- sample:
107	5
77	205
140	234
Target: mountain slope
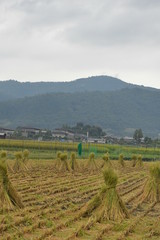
13	89
117	110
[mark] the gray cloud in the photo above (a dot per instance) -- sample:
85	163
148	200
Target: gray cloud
107	22
40	38
119	23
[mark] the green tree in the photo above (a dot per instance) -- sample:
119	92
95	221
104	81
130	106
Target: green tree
147	140
138	135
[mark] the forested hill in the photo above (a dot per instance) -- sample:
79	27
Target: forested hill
13	89
117	111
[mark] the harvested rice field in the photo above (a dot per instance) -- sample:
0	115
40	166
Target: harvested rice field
54	201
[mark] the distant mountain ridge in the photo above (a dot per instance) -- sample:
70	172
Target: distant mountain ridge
115	111
12	89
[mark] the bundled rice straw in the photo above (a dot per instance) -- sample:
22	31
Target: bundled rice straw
107	162
3	155
121	160
107	205
8	195
134	160
25	156
3	158
58	160
139	162
64	163
73	163
19	164
91	164
151	191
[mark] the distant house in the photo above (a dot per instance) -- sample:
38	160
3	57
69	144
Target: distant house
128	139
80	137
26	131
68	135
44	131
60	133
96	140
57	133
110	139
2	135
7	131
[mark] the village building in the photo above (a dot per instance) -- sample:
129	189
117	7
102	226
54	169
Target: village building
28	131
2	135
67	135
96	140
8	132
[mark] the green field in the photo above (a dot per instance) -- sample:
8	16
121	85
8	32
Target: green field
47	150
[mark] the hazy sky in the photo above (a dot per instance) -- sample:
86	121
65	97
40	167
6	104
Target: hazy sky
61	40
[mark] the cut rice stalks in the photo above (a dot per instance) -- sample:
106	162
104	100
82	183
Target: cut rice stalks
64	163
58	160
25	157
73	163
134	160
3	155
91	164
121	160
106	161
19	164
151	191
9	198
139	162
3	159
107	205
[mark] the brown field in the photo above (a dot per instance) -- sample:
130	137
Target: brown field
53	201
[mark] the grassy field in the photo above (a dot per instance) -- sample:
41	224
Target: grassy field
47	150
52	202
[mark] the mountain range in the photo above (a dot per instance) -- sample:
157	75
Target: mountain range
116	106
12	89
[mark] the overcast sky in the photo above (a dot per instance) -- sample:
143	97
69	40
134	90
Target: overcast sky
61	40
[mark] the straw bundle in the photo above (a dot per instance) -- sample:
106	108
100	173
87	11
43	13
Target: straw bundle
139	162
134	160
8	195
3	156
64	163
73	163
121	160
91	164
107	205
106	161
19	164
25	156
58	160
151	191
